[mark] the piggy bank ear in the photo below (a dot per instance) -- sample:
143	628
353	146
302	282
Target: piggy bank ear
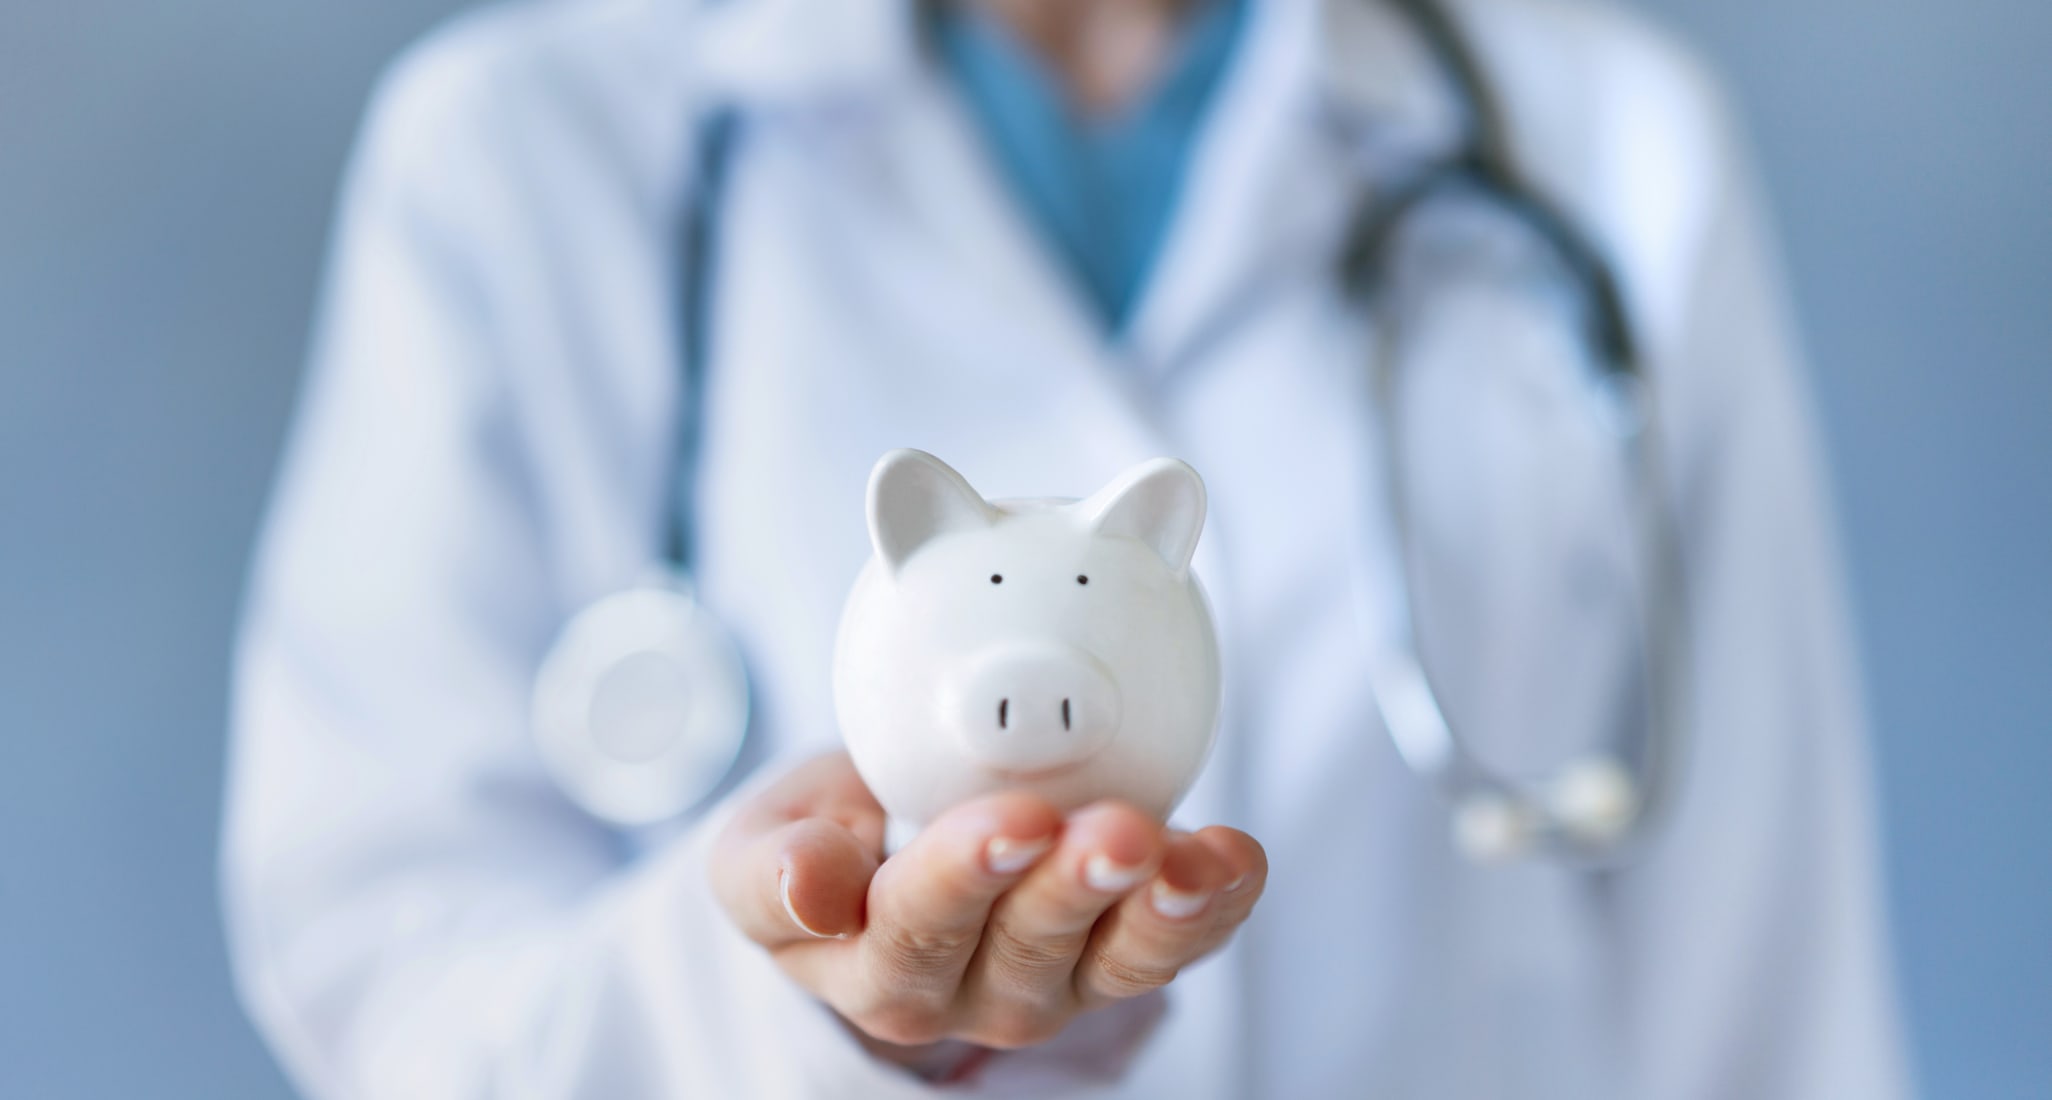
1160	502
915	497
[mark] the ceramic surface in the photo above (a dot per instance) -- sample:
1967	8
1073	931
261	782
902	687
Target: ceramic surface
1056	645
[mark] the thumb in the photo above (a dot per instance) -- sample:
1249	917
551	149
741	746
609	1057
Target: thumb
795	862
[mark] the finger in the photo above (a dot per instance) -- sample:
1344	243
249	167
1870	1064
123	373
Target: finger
1158	929
802	881
1249	862
928	903
813	836
1037	932
1235	900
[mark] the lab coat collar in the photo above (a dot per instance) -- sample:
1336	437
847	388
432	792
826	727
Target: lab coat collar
797	53
1351	75
1373	73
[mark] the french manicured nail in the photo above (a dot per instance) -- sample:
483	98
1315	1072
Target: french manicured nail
1008	856
1106	876
1174	904
784	894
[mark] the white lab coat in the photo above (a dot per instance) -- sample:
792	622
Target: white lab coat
486	442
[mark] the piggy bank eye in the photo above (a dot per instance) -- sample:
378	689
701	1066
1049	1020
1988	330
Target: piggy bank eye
1081	579
997	578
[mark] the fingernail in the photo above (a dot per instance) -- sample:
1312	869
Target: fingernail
1008	855
1106	876
784	894
1175	904
1233	887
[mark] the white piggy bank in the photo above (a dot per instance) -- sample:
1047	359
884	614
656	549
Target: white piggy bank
1058	646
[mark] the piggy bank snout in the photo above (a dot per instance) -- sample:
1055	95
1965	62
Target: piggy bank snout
1030	707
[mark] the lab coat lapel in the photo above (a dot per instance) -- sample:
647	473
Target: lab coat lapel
967	218
1322	94
934	199
962	208
854	74
1221	235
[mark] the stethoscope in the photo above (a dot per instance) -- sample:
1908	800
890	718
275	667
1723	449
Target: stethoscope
641	706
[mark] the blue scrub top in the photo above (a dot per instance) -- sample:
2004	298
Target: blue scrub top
1100	188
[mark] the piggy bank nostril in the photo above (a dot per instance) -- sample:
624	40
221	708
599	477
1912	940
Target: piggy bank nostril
1004	705
1065	714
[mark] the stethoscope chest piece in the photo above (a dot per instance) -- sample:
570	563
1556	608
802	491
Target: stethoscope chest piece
641	706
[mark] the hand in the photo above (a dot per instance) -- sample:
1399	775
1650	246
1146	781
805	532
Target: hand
998	924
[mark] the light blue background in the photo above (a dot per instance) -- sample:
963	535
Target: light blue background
166	176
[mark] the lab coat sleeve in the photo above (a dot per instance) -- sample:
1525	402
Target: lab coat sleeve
1755	952
413	910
